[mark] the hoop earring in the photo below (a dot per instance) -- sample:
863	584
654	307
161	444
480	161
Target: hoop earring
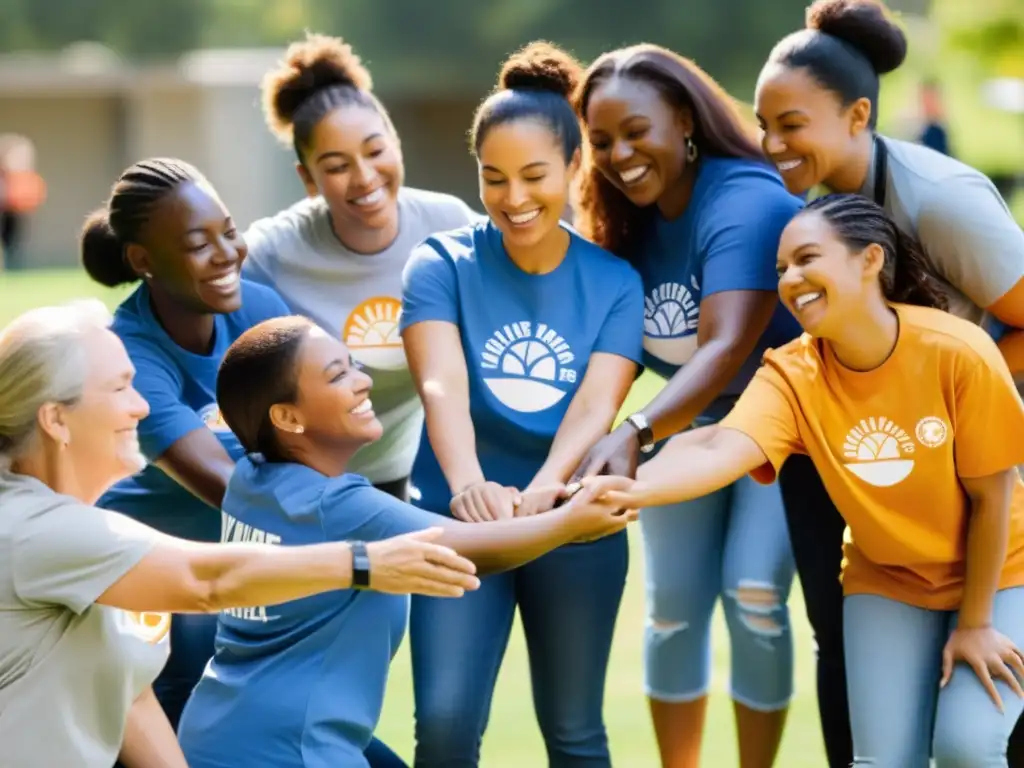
691	150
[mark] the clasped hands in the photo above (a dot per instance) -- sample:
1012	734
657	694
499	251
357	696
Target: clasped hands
487	500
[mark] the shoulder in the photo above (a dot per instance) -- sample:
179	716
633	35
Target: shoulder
298	221
454	246
352	487
596	259
433	211
949	335
259	303
924	164
739	190
797	361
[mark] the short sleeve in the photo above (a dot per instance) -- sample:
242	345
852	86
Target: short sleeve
765	413
71	554
429	287
358	511
740	244
972	240
161	386
622	331
989	416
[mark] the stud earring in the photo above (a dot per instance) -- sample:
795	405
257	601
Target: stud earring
148	275
691	150
300	429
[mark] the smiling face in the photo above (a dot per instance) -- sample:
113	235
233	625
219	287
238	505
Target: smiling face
807	132
638	139
193	250
355	162
524	181
333	395
821	281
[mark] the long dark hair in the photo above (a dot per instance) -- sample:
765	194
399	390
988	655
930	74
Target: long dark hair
604	214
860	222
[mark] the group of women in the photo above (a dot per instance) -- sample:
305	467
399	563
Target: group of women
498	349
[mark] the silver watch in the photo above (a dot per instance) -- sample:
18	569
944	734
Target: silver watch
644	433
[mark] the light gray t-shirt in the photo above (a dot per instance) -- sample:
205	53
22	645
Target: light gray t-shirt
69	669
965	227
358	297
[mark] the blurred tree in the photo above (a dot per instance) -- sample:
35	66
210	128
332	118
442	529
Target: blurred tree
992	30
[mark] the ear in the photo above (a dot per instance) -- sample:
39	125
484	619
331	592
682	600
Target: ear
685	119
874	260
53	424
574	163
307	180
287	418
138	259
860	116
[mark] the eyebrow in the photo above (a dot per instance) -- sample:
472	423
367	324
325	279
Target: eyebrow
528	166
202	230
334	154
335	363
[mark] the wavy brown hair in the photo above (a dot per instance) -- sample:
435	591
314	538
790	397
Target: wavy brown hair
603	213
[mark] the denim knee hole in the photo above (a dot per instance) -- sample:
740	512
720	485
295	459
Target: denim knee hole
758	603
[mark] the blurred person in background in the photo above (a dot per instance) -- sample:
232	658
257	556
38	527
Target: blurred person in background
817	101
676	184
86	592
934	132
523	339
337	256
22	191
301	684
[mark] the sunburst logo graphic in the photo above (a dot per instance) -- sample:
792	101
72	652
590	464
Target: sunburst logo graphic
213	418
371	333
147	625
523	363
876	448
671	317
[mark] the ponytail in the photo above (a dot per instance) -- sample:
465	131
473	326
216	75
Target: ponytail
912	282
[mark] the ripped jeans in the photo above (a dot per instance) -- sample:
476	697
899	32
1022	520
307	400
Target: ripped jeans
732	544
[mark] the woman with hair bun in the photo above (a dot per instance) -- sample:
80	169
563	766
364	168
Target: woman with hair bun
817	101
337	256
524	340
677	185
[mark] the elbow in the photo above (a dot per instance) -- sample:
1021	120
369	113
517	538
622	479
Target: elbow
204	594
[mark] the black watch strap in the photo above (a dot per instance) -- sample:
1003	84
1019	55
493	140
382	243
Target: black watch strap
360	565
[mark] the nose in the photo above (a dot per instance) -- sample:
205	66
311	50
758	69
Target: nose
789	278
621	152
362	174
138	408
772	142
517	194
362	382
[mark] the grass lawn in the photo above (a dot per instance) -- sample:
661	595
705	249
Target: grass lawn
512	740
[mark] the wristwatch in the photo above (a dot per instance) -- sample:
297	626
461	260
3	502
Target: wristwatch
360	565
644	433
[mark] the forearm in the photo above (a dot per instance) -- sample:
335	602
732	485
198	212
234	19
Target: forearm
692	389
149	740
581	428
246	575
987	536
453	439
501	545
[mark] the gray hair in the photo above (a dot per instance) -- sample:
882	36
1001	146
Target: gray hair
42	360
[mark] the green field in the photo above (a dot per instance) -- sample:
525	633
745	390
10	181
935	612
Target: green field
512	740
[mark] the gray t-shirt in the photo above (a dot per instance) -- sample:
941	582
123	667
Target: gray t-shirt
965	227
69	669
359	297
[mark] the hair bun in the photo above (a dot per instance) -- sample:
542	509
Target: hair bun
309	65
541	66
102	252
864	24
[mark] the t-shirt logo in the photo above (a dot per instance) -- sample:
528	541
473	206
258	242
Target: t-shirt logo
931	431
146	625
671	317
526	361
877	448
371	333
213	419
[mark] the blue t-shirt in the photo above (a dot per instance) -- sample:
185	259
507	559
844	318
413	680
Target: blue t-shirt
726	240
301	684
180	387
527	341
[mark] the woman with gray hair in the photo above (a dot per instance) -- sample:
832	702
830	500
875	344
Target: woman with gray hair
85	594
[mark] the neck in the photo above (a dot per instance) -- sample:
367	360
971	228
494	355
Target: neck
542	257
851	174
192	331
366	240
328	460
676	198
867	341
57	472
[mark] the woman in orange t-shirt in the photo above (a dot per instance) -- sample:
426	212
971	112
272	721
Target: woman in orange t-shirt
911	418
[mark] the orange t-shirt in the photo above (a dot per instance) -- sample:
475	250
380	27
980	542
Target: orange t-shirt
891	444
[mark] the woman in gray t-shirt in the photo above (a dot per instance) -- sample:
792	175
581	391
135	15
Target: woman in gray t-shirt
86	594
817	101
337	256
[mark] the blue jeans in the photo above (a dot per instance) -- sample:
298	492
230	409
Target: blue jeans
568	601
732	544
897	711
